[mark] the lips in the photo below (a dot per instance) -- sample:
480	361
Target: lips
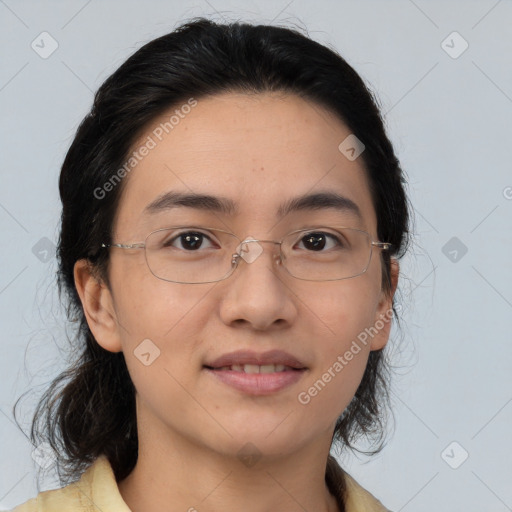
253	362
257	374
255	368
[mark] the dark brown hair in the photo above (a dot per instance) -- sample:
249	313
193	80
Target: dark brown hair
89	409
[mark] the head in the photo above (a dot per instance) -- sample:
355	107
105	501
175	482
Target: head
253	115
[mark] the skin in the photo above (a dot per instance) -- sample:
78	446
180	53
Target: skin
257	150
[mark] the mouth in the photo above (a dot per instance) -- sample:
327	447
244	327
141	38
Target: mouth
254	381
254	362
257	374
254	368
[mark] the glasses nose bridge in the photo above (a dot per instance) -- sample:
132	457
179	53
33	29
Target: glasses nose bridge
250	254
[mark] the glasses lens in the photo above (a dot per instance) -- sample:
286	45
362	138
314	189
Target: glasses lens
205	255
190	254
326	254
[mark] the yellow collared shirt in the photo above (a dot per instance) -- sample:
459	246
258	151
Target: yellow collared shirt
97	490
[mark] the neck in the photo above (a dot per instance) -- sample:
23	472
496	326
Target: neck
175	474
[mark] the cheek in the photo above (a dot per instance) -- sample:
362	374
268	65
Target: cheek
345	312
161	335
335	378
328	392
151	308
160	324
343	309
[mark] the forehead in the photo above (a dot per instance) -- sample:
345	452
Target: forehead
259	151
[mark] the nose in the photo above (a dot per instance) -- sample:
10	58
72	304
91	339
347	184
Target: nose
250	249
258	293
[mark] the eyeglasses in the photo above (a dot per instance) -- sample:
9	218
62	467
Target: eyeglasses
194	255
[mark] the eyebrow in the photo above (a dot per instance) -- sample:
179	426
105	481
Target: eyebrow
316	201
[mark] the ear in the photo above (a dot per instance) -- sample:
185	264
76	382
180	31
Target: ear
384	313
98	306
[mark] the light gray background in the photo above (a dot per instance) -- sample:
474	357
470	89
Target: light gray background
449	119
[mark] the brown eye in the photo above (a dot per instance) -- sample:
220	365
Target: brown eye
317	241
189	241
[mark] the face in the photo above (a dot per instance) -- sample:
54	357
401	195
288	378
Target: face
259	152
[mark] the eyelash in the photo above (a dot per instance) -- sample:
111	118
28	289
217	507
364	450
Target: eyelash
175	237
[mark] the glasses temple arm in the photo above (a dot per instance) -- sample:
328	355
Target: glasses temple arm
139	245
383	245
